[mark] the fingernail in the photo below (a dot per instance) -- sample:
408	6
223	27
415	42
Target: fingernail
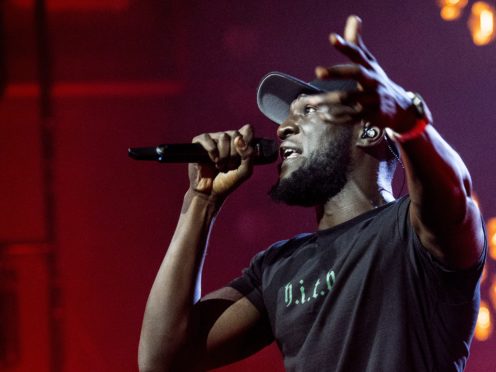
339	39
321	72
241	142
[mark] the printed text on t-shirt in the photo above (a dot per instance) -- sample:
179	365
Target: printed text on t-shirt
305	295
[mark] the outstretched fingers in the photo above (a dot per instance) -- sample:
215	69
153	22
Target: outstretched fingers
353	51
346	106
353	29
363	76
379	100
352	45
353	34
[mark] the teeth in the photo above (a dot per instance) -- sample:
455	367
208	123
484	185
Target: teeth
289	153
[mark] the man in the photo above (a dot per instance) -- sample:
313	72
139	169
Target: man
382	285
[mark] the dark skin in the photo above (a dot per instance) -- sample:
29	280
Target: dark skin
182	331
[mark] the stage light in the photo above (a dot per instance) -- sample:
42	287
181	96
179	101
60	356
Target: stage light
484	326
492	292
450	13
481	20
481	23
491	237
451	9
484	273
457	3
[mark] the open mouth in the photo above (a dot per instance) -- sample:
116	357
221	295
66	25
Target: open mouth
289	152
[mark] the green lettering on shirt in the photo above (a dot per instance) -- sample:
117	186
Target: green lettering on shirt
318	289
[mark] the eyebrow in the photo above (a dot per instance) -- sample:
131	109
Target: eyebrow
295	101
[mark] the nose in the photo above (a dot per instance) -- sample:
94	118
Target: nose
287	128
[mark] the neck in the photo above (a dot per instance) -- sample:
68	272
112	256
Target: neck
357	197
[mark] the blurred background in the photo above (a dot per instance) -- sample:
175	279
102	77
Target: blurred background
83	228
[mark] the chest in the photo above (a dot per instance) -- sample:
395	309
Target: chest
321	284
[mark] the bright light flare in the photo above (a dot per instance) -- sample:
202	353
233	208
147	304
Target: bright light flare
450	13
451	9
484	274
458	3
484	326
491	237
481	23
492	292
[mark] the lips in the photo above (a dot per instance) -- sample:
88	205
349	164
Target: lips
288	151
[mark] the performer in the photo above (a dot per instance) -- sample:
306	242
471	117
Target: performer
381	285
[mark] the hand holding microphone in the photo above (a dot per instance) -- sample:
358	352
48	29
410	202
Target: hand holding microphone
265	152
220	161
231	162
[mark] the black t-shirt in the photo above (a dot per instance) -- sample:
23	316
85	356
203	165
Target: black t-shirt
364	296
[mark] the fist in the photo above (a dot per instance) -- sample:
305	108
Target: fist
231	157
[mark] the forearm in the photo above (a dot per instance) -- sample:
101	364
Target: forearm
177	285
442	212
438	180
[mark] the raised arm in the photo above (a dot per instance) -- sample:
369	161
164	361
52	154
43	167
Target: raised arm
442	211
179	331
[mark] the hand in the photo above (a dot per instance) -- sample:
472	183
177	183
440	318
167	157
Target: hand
381	102
231	162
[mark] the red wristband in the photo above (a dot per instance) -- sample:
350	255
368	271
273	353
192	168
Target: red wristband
413	133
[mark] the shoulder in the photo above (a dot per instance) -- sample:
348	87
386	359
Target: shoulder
283	248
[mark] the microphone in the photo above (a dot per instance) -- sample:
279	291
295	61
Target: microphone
265	152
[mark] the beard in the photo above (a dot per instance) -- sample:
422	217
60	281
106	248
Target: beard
320	178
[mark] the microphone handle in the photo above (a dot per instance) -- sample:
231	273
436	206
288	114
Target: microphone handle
265	152
182	153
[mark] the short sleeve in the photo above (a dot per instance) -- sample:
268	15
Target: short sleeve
250	282
451	286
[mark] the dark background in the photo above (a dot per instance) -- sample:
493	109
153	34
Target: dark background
83	228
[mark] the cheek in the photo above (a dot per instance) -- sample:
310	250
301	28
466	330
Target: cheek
321	138
317	134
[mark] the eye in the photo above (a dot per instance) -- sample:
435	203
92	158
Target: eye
309	109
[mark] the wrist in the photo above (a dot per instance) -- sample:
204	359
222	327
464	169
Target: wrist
203	199
413	133
414	126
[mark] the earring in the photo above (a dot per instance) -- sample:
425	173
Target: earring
369	133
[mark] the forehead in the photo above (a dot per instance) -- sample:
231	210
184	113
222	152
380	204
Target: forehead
304	99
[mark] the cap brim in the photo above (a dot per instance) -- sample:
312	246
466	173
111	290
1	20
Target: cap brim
277	90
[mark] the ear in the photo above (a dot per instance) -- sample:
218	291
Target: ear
369	137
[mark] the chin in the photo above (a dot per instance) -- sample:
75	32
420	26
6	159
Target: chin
288	167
